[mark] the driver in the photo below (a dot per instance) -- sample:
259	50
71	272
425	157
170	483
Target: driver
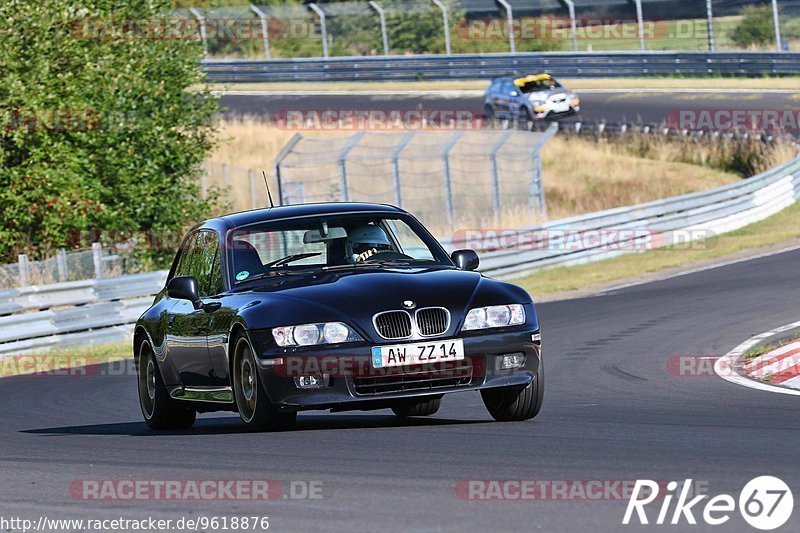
365	241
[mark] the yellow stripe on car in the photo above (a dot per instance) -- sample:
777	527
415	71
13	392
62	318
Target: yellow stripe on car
519	82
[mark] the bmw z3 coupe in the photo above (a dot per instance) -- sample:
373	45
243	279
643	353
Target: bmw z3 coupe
334	306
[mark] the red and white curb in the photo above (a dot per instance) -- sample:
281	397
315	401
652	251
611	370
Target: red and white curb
780	366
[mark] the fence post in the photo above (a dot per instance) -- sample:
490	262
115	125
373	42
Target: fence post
24	270
510	21
640	21
97	259
777	24
573	30
227	184
61	264
351	142
443	9
202	20
495	173
322	27
251	177
536	199
296	138
448	182
384	35
398	193
264	29
710	26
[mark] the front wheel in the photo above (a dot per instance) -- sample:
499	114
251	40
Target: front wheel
418	408
513	404
159	410
255	408
526	120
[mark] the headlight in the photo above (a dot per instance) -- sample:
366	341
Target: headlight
495	316
310	334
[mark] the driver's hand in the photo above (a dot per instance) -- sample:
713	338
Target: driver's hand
366	255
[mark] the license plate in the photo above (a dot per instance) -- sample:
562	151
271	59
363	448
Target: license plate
417	353
561	107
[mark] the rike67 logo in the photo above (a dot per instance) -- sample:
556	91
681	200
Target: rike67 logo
765	503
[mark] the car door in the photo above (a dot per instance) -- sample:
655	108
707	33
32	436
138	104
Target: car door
186	326
500	99
515	100
220	318
507	92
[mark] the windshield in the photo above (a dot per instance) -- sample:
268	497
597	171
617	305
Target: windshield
326	242
536	85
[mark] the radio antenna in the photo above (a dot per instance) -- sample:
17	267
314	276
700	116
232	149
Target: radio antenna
269	194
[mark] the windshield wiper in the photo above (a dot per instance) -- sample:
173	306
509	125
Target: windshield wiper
374	263
275	274
289	258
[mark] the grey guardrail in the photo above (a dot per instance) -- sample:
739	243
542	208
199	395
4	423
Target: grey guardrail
689	217
102	311
97	311
41	297
486	66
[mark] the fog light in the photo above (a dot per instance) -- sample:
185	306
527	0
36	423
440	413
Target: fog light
312	382
512	360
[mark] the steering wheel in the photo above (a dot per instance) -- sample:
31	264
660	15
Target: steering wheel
387	255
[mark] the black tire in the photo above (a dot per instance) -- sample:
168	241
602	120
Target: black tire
525	120
515	404
255	408
488	114
160	411
418	408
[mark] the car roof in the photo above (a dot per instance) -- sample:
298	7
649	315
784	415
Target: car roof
529	77
244	218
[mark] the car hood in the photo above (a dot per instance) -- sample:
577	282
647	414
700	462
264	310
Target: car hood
355	296
544	95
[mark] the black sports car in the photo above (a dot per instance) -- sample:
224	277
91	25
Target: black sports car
331	306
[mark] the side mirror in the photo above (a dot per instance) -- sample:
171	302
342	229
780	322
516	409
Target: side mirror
465	259
184	288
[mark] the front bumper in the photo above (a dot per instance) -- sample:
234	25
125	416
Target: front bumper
553	113
353	384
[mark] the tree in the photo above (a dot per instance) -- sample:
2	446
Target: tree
99	129
755	28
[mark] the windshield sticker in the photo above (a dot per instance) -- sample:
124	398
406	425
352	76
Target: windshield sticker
243	275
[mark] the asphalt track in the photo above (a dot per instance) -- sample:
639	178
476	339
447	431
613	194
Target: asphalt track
596	106
612	412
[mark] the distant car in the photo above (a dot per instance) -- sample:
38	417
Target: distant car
334	306
529	98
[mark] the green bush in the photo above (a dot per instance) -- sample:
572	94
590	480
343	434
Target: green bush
98	132
755	28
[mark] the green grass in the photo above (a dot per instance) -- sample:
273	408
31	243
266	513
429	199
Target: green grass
780	228
761	350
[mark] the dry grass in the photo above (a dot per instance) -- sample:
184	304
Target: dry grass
778	230
580	174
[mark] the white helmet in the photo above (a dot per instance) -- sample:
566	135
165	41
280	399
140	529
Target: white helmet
365	238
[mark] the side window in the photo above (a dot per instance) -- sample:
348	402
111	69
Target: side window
185	258
206	248
216	285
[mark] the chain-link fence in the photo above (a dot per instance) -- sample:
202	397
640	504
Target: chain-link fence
97	263
398	27
449	179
